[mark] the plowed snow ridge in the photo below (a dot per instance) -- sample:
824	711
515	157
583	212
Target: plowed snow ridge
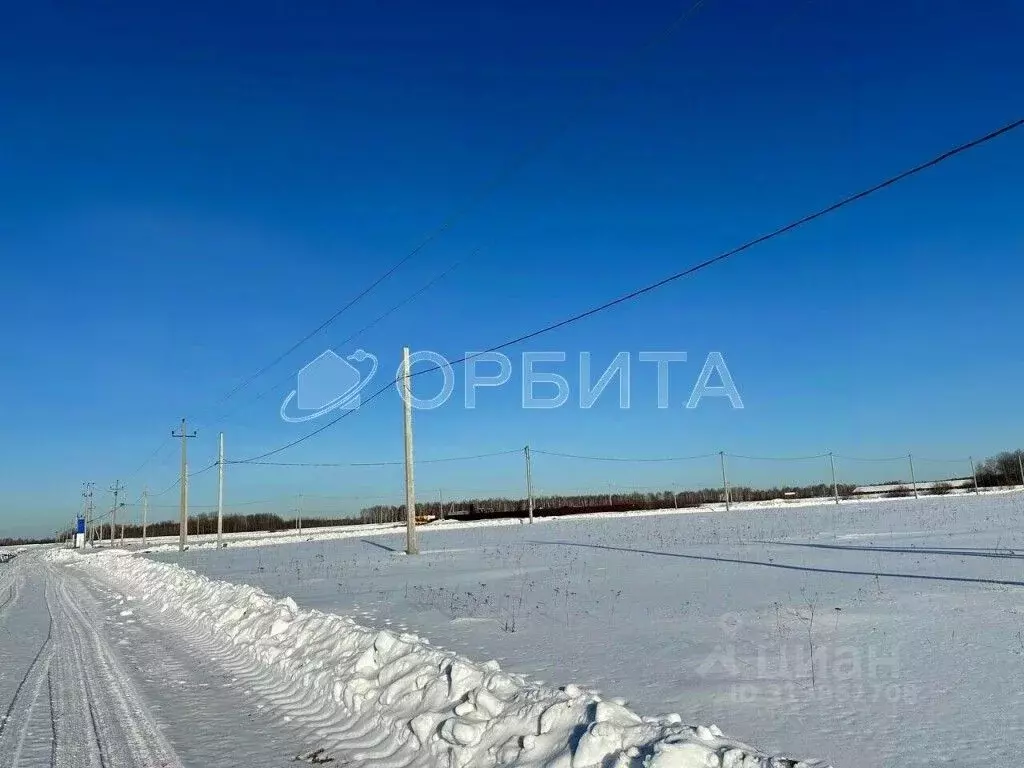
392	700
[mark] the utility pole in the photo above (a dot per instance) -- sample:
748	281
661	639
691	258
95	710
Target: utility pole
411	547
529	483
835	486
974	474
116	489
220	491
913	479
440	503
87	492
1020	466
725	481
183	512
145	512
298	513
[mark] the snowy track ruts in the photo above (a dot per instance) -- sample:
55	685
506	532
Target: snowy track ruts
106	723
9	590
73	704
27	702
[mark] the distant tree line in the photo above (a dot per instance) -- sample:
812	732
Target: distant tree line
1003	469
557	505
10	542
207	523
1000	470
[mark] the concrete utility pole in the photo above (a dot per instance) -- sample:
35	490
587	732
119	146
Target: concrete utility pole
183	512
1020	466
90	525
974	474
220	492
529	483
298	513
440	503
913	479
145	512
725	481
835	486
116	489
411	548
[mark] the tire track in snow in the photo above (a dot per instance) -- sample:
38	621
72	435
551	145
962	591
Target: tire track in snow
12	593
5	724
125	734
29	721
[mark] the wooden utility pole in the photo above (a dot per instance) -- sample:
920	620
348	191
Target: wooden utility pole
411	548
183	512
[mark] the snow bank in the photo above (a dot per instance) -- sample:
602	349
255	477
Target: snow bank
435	707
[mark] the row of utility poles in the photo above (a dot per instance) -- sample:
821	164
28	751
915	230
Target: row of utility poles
835	485
412	546
185	436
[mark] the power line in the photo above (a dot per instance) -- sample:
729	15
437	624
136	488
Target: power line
871	458
373	463
421	290
842	203
482	193
623	458
776	458
175	484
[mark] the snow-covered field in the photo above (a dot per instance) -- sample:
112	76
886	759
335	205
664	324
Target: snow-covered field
869	634
876	634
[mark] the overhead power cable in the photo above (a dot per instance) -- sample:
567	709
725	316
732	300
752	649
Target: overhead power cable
871	458
482	193
776	458
177	482
804	220
623	458
421	290
373	463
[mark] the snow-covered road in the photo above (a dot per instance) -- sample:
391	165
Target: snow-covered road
68	699
83	684
116	661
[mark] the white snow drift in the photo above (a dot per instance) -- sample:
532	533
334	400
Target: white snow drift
388	699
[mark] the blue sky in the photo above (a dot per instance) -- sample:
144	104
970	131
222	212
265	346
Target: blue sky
187	190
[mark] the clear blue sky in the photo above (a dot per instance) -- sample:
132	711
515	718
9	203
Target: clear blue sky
189	188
